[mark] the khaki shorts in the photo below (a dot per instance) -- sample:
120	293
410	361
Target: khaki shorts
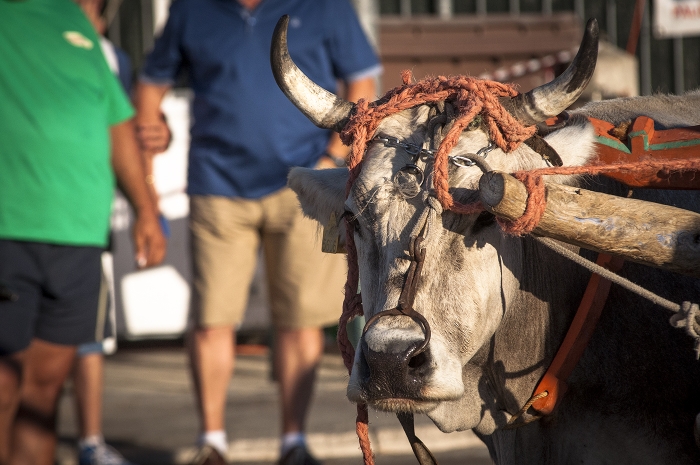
305	284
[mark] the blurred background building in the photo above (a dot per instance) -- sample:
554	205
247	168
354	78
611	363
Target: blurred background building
646	47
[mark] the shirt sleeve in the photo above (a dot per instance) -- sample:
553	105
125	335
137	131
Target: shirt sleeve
119	107
352	55
164	61
117	104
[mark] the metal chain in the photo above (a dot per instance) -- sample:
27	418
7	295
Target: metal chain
417	152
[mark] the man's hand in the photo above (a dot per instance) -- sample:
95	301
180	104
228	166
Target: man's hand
152	129
154	136
149	241
128	166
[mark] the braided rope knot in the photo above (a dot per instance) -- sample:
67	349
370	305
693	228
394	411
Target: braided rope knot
688	317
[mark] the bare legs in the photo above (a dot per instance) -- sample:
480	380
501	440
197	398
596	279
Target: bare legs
89	385
10	374
212	353
32	434
297	354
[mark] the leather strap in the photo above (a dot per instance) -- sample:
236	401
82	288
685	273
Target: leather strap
577	337
546	151
422	453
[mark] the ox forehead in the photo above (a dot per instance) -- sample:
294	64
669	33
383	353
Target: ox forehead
498	306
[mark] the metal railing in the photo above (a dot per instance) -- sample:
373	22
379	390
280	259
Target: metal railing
445	8
676	62
668	53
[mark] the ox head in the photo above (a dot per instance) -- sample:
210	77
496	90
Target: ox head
470	273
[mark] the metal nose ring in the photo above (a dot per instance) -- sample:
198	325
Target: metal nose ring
414	315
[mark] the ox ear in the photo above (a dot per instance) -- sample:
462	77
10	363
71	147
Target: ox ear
320	191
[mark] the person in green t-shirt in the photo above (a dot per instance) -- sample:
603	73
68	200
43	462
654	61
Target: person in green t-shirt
63	113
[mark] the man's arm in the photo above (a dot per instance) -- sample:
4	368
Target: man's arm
128	166
151	129
152	132
362	88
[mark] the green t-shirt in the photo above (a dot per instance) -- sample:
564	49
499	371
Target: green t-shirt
58	99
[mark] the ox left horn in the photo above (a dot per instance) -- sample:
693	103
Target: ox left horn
556	96
325	109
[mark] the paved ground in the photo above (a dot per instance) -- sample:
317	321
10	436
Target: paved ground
150	416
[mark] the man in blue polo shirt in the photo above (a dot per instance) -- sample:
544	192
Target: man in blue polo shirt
245	137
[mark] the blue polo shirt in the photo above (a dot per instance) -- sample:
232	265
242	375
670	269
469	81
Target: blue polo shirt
246	134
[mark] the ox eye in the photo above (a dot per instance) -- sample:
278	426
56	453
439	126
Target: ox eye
475	123
352	219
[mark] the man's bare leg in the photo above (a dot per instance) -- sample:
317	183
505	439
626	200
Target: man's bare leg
10	375
212	352
297	355
46	367
89	385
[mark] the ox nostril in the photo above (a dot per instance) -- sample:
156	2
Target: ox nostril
418	360
365	371
393	369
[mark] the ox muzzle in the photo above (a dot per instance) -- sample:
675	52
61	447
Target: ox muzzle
394	367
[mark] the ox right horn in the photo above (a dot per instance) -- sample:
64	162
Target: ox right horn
556	96
325	109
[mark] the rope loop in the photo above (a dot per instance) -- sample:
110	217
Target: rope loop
433	203
534	207
512	422
470	96
688	317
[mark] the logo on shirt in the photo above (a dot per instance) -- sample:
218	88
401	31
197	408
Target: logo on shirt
78	40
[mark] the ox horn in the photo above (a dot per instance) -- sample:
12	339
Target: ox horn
556	96
325	109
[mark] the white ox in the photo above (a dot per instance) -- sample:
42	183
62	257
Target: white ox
499	305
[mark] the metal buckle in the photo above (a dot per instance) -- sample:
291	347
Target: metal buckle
415	152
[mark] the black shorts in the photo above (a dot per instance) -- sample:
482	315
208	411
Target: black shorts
50	292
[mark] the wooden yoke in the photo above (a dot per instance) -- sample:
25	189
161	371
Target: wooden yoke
647	143
645	232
